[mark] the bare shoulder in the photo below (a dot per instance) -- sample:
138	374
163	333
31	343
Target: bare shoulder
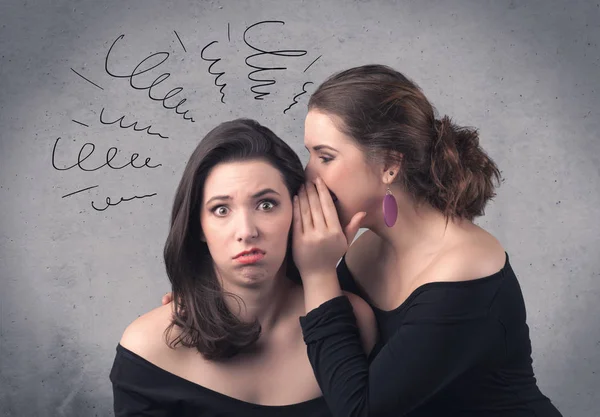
145	336
478	256
365	319
363	251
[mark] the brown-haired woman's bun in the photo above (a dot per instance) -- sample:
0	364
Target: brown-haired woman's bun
391	119
464	175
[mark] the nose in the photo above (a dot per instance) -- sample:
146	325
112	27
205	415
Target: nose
247	229
309	172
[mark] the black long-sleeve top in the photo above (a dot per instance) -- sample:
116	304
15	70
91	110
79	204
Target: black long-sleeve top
451	349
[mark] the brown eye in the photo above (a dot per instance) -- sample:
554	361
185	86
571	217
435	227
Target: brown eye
267	205
220	211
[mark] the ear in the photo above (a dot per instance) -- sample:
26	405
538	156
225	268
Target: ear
390	169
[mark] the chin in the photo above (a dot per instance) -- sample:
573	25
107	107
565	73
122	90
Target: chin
254	275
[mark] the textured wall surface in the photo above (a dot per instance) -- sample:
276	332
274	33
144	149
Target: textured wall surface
75	269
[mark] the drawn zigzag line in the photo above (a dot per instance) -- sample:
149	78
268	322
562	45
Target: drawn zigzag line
218	74
298	95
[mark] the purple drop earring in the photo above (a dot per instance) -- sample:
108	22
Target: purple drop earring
390	208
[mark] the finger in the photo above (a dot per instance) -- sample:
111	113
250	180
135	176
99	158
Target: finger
352	228
166	299
297	217
315	207
305	215
327	206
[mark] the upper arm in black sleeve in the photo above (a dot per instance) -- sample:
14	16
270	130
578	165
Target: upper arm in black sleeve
132	390
434	344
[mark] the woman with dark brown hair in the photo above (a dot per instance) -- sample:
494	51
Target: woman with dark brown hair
230	343
450	313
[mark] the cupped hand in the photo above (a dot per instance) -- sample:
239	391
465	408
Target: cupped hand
318	240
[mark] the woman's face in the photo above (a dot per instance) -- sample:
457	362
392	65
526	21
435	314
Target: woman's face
246	215
356	184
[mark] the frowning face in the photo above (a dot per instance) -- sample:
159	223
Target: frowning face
246	215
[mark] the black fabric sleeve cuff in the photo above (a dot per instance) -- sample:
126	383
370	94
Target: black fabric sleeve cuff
332	317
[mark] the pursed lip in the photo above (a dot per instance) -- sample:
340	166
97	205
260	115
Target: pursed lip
251	250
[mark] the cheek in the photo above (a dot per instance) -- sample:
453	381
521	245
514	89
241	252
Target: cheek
279	227
283	222
214	236
354	191
343	182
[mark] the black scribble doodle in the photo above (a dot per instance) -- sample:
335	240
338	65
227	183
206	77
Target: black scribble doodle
182	45
82	124
257	69
218	74
228	32
312	63
298	95
109	203
110	155
91	82
137	71
134	125
79	191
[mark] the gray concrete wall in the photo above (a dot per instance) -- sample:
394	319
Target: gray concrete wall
526	73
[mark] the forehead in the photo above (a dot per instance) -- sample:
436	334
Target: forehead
242	178
322	129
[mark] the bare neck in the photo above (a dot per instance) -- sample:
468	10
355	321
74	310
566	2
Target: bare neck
419	228
268	303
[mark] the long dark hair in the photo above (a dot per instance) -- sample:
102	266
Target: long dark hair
201	313
392	121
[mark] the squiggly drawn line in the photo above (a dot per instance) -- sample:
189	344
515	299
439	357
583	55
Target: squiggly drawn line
79	191
91	82
82	124
136	72
110	155
312	63
109	203
134	125
298	95
218	74
260	52
182	45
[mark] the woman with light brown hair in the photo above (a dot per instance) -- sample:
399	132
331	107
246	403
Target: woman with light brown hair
453	334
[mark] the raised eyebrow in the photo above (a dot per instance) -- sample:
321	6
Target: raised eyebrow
264	192
218	197
259	194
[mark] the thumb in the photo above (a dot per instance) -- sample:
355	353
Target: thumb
352	228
